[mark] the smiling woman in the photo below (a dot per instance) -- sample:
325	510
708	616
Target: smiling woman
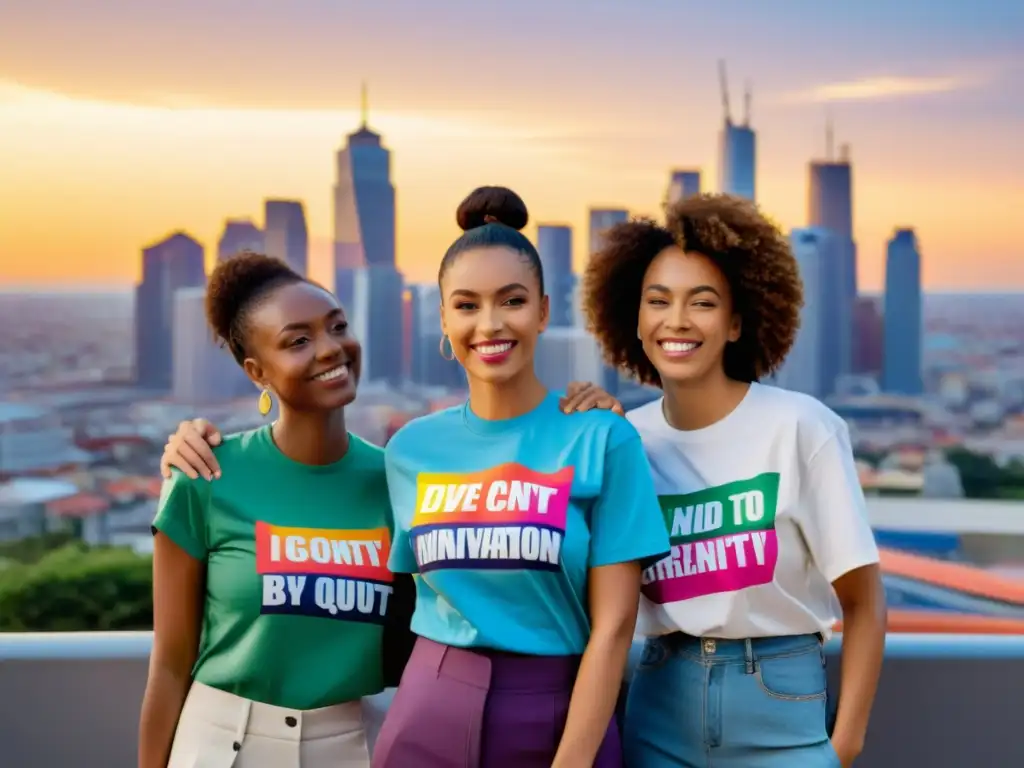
273	603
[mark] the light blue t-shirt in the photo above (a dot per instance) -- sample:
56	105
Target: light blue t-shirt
501	521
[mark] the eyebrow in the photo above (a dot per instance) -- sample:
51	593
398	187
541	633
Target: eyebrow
692	292
473	294
336	312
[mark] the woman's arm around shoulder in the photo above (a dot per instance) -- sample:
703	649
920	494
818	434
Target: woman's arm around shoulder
627	532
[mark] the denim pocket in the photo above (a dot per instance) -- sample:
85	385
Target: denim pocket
793	677
654	655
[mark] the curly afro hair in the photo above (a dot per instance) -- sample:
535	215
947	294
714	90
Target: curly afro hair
750	250
235	288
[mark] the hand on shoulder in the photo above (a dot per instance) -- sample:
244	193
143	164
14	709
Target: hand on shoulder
190	450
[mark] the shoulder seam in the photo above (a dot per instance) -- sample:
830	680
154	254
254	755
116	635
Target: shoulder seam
828	439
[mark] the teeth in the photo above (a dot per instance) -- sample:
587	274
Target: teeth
494	349
678	346
335	373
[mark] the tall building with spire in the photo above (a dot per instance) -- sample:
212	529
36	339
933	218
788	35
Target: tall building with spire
364	199
737	146
366	278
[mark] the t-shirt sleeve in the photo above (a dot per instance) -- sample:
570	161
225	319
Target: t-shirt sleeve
627	523
181	514
402	558
834	516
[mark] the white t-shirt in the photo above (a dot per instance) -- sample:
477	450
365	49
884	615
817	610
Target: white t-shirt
764	510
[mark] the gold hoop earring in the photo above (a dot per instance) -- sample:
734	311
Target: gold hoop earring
265	402
440	348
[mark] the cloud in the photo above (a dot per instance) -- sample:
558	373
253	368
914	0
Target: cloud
884	88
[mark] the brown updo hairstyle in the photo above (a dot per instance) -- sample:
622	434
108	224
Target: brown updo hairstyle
237	286
749	249
492	217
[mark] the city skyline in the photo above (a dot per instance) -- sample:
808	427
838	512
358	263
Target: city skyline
158	148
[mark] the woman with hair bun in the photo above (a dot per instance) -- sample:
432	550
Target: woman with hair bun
526	527
526	520
274	611
760	496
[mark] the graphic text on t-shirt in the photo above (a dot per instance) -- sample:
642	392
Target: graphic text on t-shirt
322	572
507	517
723	540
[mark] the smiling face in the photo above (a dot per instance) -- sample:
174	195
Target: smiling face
492	312
301	348
686	316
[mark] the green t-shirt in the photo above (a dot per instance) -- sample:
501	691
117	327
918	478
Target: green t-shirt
296	570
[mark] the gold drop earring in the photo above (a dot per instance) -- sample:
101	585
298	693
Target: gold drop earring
265	402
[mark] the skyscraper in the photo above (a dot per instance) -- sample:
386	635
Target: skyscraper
366	279
683	184
802	370
285	234
601	220
737	147
821	354
173	263
204	372
554	243
376	320
364	200
830	202
868	336
239	235
429	368
903	319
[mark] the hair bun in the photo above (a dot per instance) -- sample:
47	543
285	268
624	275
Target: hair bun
492	204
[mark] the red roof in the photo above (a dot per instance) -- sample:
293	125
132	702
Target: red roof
80	505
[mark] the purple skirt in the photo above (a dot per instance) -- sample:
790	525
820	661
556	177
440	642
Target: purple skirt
458	708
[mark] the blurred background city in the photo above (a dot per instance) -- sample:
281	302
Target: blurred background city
139	148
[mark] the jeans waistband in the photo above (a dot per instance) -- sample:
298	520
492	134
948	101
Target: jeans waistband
749	649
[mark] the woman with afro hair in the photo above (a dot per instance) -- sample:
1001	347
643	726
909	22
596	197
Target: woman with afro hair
760	497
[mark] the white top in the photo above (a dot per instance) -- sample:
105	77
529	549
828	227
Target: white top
764	510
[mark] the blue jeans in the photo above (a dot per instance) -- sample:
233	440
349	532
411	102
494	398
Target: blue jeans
702	703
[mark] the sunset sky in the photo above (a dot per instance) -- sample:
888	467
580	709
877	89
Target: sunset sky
122	120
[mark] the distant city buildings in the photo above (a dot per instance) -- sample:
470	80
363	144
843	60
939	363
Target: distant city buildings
821	354
239	235
867	337
903	319
204	371
429	367
554	243
285	233
566	354
682	185
173	263
830	204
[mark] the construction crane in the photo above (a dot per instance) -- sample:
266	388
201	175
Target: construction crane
724	85
748	94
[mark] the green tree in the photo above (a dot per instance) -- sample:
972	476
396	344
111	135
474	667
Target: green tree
982	478
78	589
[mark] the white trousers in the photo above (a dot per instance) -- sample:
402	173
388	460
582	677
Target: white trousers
220	730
